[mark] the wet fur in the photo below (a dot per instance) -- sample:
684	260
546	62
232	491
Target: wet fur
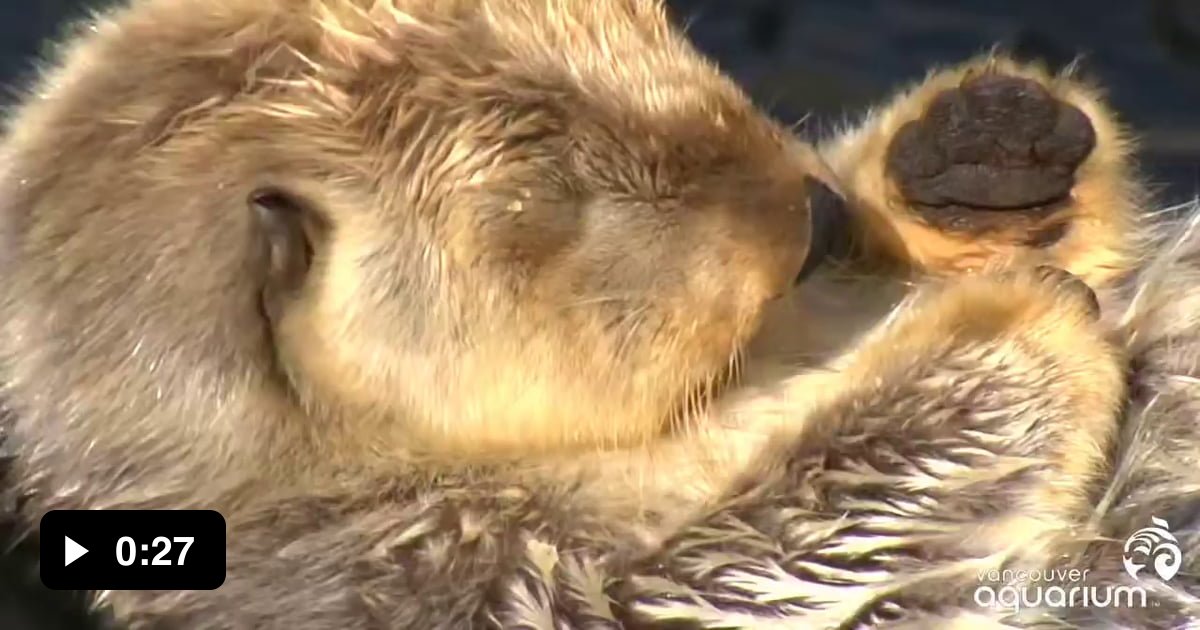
924	411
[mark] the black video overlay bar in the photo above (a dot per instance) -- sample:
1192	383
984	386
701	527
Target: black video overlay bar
133	550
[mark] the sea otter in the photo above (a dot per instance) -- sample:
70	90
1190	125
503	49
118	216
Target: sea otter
497	313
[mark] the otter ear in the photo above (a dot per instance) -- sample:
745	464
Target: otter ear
829	222
291	231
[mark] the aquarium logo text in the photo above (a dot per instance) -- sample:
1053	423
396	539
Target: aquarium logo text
1013	589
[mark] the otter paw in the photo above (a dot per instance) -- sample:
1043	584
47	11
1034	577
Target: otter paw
1069	285
991	164
995	143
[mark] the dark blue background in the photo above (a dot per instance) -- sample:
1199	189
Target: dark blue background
829	58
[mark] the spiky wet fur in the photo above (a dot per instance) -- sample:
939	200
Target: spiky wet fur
864	475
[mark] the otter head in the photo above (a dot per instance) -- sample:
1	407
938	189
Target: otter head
484	224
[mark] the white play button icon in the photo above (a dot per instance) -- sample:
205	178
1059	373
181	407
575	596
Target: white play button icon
72	551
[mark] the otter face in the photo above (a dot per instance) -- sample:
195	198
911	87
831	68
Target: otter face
542	258
580	264
485	225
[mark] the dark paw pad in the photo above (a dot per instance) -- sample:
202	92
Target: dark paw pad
996	142
1069	284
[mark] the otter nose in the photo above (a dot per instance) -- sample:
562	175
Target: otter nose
829	223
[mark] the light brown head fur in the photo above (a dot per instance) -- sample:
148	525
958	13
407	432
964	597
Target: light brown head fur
271	236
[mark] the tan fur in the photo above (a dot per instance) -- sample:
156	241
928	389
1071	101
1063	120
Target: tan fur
529	298
539	244
547	368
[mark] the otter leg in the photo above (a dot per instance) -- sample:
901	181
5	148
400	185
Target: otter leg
993	162
968	438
